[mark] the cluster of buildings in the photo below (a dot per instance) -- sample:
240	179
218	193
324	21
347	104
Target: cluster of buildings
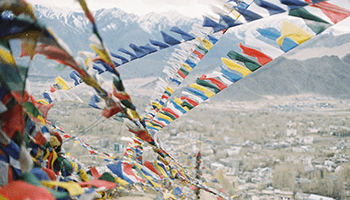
250	171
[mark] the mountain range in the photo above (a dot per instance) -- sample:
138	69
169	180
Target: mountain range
117	28
324	74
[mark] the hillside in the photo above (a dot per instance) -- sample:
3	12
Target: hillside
117	28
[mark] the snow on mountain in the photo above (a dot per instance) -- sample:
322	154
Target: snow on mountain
340	28
52	12
117	28
153	21
175	17
74	20
110	19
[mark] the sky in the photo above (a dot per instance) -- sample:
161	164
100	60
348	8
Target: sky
190	8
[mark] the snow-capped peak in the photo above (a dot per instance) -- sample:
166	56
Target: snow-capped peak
54	12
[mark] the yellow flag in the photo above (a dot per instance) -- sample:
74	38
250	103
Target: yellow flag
161	115
84	5
54	142
121	181
6	56
156	104
121	188
88	61
170	90
133	114
18	8
208	45
187	67
236	14
42	101
103	54
232	65
179	101
29	41
206	91
46	154
161	170
298	34
60	81
84	175
168	196
173	173
73	188
54	157
147	177
93	83
74	166
41	119
151	125
38	154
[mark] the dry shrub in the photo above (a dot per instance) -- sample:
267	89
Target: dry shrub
284	177
328	187
322	183
344	174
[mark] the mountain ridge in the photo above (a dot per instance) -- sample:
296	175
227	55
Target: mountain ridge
118	29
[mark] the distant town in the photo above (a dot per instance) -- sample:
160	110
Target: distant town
286	148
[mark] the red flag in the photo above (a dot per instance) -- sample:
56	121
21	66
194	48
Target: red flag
44	109
143	135
107	113
149	165
165	97
58	54
127	169
169	110
39	138
50	173
21	190
333	12
218	83
199	54
136	141
21	98
121	96
66	136
182	75
98	184
158	122
192	102
262	58
193	187
13	120
52	89
95	173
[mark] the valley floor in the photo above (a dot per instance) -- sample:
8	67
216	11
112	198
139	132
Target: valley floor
272	147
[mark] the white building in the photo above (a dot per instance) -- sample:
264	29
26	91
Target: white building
303	196
307	140
319	197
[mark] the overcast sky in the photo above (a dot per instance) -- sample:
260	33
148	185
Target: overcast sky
191	8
